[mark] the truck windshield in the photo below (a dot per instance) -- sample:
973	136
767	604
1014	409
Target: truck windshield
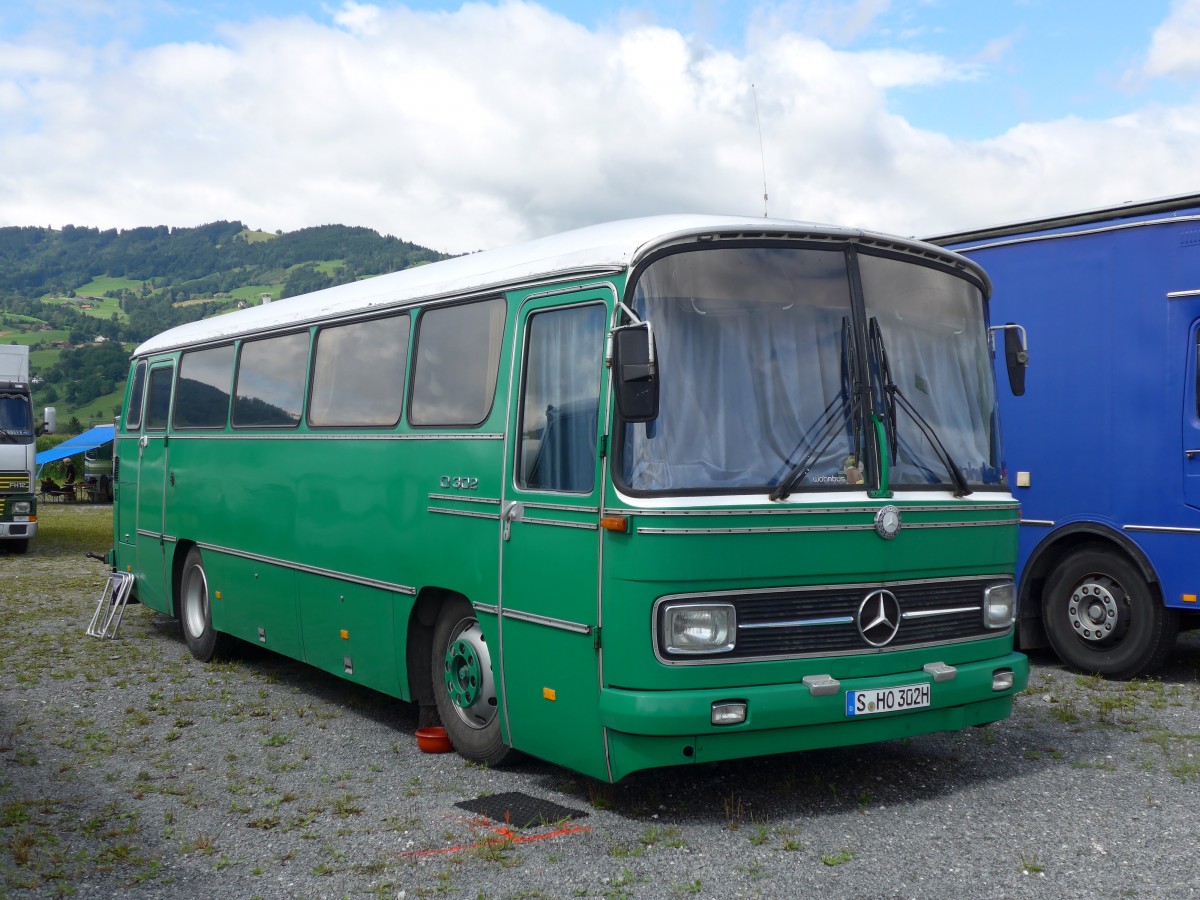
764	387
16	419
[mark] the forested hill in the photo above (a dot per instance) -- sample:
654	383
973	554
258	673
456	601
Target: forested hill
156	277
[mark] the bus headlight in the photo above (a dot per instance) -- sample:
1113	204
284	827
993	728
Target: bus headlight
699	628
1000	605
21	507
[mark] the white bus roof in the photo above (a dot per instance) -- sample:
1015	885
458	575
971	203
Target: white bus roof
594	250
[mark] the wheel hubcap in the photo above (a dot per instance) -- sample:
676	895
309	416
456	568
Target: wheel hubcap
1094	611
468	675
195	602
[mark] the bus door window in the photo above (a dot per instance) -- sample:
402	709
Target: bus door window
559	406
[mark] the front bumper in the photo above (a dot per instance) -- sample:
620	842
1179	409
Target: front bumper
18	530
647	729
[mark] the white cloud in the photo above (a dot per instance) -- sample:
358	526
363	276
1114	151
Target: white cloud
1175	47
492	124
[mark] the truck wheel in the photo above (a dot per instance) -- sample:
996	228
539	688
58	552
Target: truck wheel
464	686
204	642
19	546
1103	618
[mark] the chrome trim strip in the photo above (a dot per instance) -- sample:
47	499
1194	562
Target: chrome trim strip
548	621
926	613
590	526
463	499
1034	238
865	651
312	570
290	435
794	529
1175	295
1160	529
464	512
1046	523
766	529
792	589
821	511
589	510
489	608
799	623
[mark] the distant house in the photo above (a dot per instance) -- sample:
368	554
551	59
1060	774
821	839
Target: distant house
99	339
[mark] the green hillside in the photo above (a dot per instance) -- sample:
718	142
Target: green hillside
82	298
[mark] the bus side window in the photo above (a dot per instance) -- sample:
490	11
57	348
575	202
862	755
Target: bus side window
202	399
133	415
158	398
454	368
559	405
358	374
271	375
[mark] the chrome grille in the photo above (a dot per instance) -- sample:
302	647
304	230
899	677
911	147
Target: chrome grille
821	621
14	482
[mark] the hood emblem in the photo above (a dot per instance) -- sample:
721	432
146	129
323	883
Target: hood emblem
878	618
888	522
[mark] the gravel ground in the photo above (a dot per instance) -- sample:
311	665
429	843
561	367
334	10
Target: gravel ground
128	768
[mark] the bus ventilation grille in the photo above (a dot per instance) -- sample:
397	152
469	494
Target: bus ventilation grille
519	810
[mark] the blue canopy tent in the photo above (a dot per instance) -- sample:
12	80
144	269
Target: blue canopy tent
96	437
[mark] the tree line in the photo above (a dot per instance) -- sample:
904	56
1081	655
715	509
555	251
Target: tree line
172	265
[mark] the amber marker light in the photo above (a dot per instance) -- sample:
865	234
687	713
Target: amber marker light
615	523
549	693
345	634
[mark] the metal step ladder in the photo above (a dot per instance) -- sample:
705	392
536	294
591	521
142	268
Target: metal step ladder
107	617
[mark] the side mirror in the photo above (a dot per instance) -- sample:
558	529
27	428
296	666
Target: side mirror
1016	354
635	375
50	420
1016	357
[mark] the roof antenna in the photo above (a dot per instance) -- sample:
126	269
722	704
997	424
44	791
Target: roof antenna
761	155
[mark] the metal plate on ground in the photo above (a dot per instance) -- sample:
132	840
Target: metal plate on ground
519	810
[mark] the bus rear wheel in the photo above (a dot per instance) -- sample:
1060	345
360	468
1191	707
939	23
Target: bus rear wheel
464	686
1103	618
204	642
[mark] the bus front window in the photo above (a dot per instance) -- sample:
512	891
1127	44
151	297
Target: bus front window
931	334
765	366
755	360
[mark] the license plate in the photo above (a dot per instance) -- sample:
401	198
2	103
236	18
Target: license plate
884	700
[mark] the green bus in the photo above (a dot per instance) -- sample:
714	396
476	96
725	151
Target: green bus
655	492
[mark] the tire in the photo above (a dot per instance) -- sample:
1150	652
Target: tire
1103	618
19	546
204	642
464	686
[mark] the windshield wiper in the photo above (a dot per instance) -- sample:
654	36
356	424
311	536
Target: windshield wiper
892	394
846	403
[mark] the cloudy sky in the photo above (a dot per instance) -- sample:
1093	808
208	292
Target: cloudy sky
467	126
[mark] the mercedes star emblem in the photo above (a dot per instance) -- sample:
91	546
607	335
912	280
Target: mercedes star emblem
878	618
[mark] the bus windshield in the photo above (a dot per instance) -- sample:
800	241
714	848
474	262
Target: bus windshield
16	424
759	368
932	369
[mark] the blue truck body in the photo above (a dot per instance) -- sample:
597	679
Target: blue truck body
1103	449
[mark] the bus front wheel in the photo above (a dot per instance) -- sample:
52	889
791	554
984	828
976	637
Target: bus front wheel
204	642
464	686
1103	618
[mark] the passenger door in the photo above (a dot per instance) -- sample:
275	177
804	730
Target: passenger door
549	599
152	581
